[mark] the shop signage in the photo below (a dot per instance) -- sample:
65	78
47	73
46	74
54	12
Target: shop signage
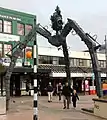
6	61
7	37
10	17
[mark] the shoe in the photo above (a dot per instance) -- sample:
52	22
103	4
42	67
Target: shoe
64	108
67	107
48	101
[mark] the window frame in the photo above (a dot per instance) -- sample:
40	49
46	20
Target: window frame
2	25
102	63
11	26
23	27
81	62
10	52
61	62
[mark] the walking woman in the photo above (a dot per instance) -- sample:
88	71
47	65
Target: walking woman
74	98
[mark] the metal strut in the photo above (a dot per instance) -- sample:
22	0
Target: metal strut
19	47
90	43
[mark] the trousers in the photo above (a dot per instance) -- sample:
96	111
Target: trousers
66	100
50	94
59	94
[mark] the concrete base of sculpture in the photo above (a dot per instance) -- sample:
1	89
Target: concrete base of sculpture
100	107
2	105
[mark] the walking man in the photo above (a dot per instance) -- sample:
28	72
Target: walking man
66	95
50	92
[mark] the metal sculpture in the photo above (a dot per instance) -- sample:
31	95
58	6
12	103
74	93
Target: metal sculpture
57	40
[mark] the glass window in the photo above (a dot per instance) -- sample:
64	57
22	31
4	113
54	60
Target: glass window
20	29
45	60
81	62
72	62
90	63
0	50
28	28
77	62
55	60
61	61
7	48
7	26
102	63
1	26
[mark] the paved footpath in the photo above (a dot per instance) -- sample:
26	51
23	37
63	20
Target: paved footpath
21	109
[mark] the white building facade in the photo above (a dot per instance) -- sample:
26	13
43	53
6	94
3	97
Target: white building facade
53	57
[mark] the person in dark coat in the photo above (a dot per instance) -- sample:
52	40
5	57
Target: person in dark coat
74	98
66	95
59	90
50	92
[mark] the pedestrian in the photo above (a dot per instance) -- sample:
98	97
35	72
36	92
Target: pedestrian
39	91
50	92
66	95
74	98
59	90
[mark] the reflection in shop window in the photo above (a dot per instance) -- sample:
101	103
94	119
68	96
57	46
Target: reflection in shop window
20	29
0	50
28	28
102	63
1	26
81	62
7	48
45	60
55	60
7	26
72	62
90	63
77	62
61	61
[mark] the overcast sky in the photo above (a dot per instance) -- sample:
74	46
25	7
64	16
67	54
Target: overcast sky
91	15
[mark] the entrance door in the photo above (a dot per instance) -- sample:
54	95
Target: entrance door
77	84
43	82
17	85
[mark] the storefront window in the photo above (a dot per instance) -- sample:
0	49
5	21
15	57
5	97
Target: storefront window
81	62
45	60
7	26
72	62
102	63
20	29
28	28
61	61
1	26
55	60
7	48
0	50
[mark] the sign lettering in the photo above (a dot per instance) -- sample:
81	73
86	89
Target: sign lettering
10	17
